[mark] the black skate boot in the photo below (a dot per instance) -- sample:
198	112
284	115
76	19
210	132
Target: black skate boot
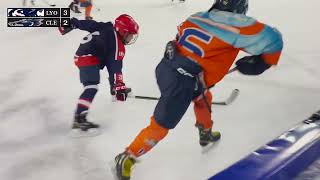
71	6
123	166
82	127
74	7
88	18
207	136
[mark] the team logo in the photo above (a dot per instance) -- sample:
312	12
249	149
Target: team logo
121	53
25	12
184	72
26	23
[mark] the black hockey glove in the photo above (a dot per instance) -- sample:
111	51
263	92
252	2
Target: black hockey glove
170	50
65	30
252	65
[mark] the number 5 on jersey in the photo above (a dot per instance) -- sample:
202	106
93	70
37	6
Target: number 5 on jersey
190	40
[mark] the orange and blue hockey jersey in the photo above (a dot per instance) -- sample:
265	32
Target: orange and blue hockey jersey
213	39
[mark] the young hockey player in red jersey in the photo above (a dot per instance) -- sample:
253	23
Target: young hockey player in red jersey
206	46
103	47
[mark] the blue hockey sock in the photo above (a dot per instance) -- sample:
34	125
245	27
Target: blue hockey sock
86	98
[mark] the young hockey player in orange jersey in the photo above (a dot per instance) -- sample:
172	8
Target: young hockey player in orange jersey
87	4
206	46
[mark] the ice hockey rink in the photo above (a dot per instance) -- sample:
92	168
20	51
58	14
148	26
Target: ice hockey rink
39	89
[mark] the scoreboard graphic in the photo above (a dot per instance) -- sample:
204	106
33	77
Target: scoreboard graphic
38	17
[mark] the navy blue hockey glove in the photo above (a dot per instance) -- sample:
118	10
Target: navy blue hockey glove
65	30
252	65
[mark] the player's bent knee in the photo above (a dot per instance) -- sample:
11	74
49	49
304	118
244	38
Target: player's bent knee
199	102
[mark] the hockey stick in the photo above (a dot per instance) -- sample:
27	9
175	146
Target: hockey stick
234	94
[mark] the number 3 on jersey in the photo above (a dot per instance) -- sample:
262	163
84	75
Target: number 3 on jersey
199	35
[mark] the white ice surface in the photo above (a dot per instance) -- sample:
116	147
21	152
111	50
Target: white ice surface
39	87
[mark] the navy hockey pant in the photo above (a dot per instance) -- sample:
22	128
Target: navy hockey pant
89	71
177	89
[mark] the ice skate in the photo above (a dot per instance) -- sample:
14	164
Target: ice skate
73	7
88	18
81	127
123	166
207	136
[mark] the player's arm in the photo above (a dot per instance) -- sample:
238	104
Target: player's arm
86	25
265	48
117	85
115	71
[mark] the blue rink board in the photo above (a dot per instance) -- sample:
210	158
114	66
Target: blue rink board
282	158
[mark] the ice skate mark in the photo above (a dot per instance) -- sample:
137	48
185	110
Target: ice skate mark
85	161
25	106
168	4
304	64
10	86
209	147
277	84
25	112
39	163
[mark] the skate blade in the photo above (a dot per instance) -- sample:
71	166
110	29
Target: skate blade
113	98
206	149
113	170
77	133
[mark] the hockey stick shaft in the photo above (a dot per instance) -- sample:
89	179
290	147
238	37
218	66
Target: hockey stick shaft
146	97
208	106
229	100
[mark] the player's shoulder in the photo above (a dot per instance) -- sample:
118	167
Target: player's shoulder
224	17
108	24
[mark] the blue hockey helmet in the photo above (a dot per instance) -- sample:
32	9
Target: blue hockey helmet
235	6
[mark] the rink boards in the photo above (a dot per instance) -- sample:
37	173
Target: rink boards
281	159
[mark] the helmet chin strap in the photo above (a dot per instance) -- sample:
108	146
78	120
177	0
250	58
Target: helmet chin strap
122	38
